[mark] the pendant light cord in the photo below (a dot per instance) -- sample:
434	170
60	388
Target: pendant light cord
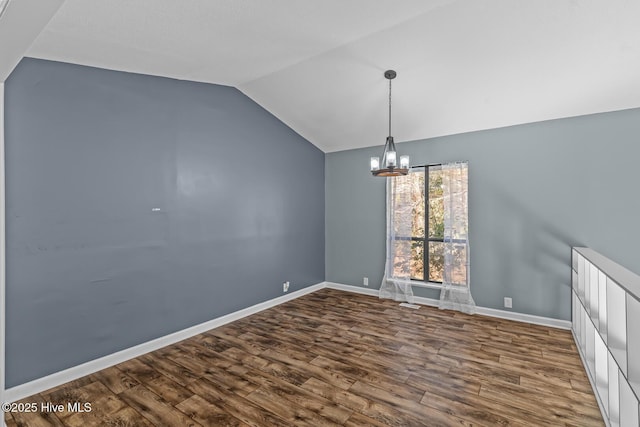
389	107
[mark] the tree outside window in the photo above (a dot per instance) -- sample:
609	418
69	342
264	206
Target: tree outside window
424	187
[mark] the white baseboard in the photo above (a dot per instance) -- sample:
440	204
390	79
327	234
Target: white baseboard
351	288
41	384
492	312
525	318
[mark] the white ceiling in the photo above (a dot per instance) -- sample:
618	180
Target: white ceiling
318	65
20	23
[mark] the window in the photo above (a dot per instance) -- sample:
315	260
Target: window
423	198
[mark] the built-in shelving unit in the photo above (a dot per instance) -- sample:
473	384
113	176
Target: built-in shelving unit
606	327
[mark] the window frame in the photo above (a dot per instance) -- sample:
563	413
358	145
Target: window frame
425	281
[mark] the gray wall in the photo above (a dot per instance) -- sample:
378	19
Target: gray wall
535	191
92	268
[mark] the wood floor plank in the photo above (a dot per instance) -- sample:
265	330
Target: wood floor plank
287	410
300	396
280	370
473	414
169	390
137	369
426	415
567	411
153	408
573	403
561	387
207	413
240	408
359	420
541	366
582	385
356	368
426	380
169	368
335	358
124	416
214	337
484	373
115	380
287	343
443	395
237	384
309	369
370	409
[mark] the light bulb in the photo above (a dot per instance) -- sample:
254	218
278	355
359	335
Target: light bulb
404	162
391	159
375	163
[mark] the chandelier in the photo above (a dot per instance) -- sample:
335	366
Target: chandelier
389	166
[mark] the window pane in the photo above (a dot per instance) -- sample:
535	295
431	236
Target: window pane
402	259
436	261
401	205
457	181
417	198
436	203
408	262
417	260
409	205
459	262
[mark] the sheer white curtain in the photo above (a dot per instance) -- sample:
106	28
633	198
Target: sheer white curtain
400	208
456	294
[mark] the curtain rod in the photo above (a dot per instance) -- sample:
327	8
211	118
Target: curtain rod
437	164
424	166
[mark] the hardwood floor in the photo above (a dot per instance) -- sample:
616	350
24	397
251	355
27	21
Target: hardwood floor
337	358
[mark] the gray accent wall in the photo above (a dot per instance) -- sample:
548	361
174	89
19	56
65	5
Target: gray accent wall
535	190
138	206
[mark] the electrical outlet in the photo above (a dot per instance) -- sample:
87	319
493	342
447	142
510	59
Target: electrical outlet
508	303
285	286
365	281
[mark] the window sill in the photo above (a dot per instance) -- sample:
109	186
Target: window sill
419	284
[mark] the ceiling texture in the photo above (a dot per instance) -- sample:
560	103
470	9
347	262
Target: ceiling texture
317	65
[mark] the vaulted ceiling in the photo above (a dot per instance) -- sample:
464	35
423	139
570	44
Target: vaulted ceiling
317	65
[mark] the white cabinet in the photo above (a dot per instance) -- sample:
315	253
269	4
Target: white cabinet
606	326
